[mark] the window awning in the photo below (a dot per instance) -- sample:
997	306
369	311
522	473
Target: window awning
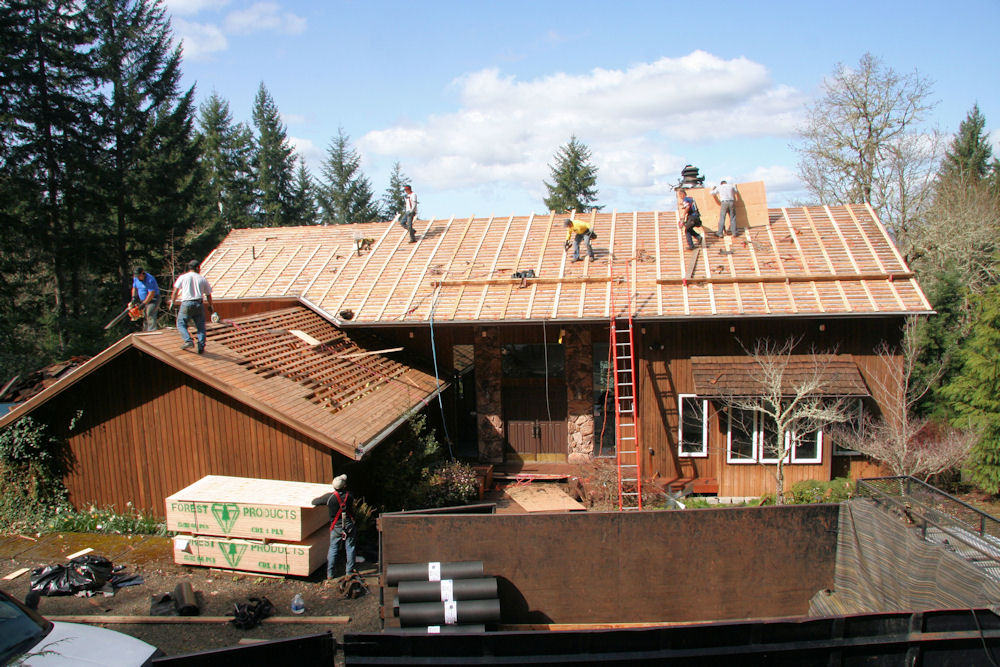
836	375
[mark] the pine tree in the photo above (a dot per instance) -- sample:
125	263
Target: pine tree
227	157
151	177
968	157
344	194
303	202
574	179
393	200
48	144
973	392
274	163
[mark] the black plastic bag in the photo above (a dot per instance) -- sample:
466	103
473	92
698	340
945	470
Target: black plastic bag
83	573
250	615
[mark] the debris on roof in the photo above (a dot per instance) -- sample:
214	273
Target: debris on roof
22	387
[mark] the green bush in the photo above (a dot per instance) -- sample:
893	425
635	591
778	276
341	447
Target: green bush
813	491
32	464
452	483
105	520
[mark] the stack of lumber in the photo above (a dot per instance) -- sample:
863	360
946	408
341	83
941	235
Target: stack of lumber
441	597
251	525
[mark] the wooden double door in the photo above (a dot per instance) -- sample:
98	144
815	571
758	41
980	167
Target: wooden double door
535	420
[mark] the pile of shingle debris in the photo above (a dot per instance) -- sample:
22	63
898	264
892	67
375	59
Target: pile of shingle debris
22	387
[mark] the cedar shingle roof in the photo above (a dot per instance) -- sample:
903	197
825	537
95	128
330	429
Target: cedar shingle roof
804	261
838	375
344	392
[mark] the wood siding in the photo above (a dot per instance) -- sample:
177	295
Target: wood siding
665	350
145	430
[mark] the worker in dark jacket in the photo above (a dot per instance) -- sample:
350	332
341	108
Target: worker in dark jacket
343	529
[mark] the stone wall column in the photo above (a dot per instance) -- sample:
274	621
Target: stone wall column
580	393
489	402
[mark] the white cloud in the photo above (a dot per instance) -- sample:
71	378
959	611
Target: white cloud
636	121
313	154
189	7
200	40
264	16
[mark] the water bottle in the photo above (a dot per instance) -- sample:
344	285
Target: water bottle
298	604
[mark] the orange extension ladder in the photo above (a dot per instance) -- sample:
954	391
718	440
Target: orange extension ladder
627	449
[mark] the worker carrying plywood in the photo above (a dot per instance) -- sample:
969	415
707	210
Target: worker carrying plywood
579	230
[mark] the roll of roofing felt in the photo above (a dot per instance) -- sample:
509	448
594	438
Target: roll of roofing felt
437	630
447	589
432	571
449	613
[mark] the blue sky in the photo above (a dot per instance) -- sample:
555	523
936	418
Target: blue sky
474	98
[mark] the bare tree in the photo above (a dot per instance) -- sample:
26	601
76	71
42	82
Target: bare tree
906	444
959	232
861	143
790	396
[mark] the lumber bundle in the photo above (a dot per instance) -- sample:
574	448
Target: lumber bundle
251	525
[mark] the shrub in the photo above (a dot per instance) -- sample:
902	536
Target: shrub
32	465
452	483
814	491
105	520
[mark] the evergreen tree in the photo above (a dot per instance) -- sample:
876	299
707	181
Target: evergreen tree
303	202
344	194
274	163
574	180
148	127
393	200
48	144
973	392
968	157
227	157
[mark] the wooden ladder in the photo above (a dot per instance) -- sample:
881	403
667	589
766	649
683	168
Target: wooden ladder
628	450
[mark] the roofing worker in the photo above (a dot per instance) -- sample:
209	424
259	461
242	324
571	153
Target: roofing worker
409	212
689	218
578	230
343	530
192	289
146	295
727	195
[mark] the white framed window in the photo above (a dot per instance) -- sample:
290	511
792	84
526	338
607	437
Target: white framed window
692	426
854	422
807	447
752	438
741	441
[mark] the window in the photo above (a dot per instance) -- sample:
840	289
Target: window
742	443
753	438
692	427
532	361
854	423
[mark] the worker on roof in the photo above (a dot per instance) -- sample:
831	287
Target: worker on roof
689	218
409	211
192	289
146	295
727	194
578	230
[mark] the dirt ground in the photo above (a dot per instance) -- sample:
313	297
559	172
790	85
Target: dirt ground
217	592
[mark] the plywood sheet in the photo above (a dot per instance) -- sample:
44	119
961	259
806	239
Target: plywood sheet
542	498
246	507
299	559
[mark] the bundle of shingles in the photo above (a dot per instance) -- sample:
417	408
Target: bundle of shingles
22	387
442	597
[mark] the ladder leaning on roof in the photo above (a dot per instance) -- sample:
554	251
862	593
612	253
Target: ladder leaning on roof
628	450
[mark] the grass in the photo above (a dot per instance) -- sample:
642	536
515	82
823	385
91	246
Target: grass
105	520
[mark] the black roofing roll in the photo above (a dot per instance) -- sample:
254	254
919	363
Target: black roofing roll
449	613
432	571
447	589
437	630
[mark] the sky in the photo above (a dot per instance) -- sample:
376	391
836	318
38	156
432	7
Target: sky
474	98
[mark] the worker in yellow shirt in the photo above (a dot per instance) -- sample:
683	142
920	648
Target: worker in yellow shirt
578	231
